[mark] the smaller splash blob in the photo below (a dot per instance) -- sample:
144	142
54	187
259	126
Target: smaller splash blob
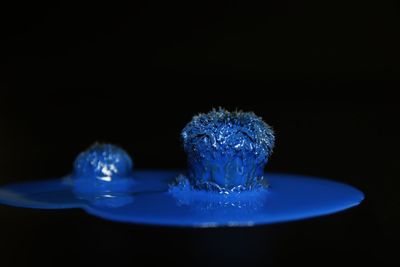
103	168
226	151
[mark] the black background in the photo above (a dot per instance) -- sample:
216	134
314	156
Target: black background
150	67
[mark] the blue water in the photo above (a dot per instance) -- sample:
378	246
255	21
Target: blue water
227	150
151	201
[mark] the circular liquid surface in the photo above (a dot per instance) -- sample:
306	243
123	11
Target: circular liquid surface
289	198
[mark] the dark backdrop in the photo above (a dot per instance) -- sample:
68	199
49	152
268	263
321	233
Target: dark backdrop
150	67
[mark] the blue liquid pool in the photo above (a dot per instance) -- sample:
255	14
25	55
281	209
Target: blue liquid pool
151	201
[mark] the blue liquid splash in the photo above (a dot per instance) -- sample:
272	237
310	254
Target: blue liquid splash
225	184
227	151
103	169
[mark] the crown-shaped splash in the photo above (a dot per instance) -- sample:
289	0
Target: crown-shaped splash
227	150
